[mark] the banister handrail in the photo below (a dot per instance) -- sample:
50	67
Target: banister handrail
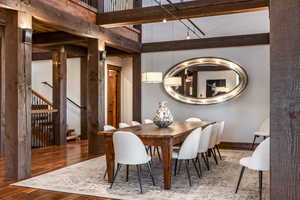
70	100
42	98
44	111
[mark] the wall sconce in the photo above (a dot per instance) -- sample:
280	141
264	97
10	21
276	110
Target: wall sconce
27	36
102	55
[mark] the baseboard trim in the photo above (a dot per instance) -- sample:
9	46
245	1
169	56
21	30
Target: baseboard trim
236	145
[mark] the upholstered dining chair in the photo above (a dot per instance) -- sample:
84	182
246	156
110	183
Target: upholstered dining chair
108	128
135	123
193	119
188	152
130	150
123	125
263	131
148	121
213	141
204	145
219	137
259	161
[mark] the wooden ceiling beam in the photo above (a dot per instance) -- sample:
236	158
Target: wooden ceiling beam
64	21
206	43
190	9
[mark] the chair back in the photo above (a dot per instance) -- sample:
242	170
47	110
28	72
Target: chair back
260	159
214	135
135	123
108	128
129	149
193	119
221	131
205	139
190	146
265	126
123	125
148	121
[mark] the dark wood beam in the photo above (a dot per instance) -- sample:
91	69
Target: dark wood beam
285	99
137	87
17	97
64	21
206	43
190	9
83	97
95	96
59	60
72	52
2	91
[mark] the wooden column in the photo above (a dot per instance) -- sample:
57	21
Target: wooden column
137	88
17	97
59	61
95	96
2	91
285	99
83	97
195	84
99	4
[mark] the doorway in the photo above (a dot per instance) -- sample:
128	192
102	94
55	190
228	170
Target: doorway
114	95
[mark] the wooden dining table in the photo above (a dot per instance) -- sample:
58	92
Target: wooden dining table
151	135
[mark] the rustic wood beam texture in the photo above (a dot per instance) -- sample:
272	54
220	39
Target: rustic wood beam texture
17	97
2	91
285	99
137	87
206	43
64	21
190	9
83	97
59	60
95	96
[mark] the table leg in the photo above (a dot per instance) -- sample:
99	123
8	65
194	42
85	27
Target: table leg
110	158
166	147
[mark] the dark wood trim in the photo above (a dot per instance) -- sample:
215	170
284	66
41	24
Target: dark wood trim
2	90
72	52
236	145
83	97
95	96
190	9
17	97
59	60
137	87
285	99
205	43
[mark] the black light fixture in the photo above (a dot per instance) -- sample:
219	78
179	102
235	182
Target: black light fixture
27	36
102	55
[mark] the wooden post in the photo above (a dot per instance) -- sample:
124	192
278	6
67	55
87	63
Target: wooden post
2	91
59	61
99	4
95	96
83	97
195	84
137	87
285	99
17	96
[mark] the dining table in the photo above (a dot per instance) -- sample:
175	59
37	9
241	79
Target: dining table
152	135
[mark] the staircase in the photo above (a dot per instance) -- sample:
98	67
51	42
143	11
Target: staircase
42	122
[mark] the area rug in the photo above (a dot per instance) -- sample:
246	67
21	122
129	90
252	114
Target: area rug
219	183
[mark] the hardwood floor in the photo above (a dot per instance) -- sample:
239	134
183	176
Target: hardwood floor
43	161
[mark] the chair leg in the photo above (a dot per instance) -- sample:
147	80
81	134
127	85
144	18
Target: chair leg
252	147
214	155
203	155
150	172
240	178
139	177
260	184
199	164
188	171
175	167
179	167
127	172
218	150
157	149
105	173
114	178
194	162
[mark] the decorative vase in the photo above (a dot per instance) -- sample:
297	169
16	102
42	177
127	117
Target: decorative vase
163	117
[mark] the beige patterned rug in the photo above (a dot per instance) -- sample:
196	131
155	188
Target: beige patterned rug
217	184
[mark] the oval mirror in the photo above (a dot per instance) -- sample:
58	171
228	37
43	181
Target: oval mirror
205	81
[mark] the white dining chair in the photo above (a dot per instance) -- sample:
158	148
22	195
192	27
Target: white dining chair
219	137
123	125
188	152
213	141
108	128
263	131
130	150
148	121
204	145
135	123
193	119
259	161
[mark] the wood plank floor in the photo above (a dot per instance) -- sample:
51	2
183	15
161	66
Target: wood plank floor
43	161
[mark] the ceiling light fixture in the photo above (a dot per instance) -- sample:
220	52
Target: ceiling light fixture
164	20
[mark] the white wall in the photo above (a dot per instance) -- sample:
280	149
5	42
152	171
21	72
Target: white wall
42	71
242	115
